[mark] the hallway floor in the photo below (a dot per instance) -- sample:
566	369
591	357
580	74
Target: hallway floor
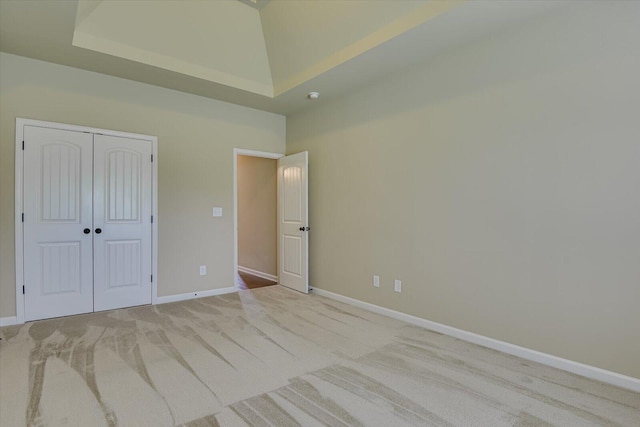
248	281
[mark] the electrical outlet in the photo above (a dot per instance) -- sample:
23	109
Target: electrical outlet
397	285
376	281
203	270
217	211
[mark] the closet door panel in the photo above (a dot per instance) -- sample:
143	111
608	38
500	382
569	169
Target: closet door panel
58	211
122	222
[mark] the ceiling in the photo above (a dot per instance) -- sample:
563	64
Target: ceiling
265	54
257	4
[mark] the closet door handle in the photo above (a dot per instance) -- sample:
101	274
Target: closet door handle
98	230
86	231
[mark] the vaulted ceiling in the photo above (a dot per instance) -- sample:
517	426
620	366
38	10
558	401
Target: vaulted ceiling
265	54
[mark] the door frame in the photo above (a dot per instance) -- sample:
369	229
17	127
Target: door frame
19	198
252	153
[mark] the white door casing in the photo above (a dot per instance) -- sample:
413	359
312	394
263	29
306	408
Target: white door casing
58	208
293	229
122	222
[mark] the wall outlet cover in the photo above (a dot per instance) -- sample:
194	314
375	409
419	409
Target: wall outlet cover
203	270
217	211
376	281
397	285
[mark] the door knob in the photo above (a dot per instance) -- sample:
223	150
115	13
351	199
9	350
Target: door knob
86	231
98	230
301	229
304	228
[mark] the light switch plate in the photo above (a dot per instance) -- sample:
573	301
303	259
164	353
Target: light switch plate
376	281
203	270
397	286
217	211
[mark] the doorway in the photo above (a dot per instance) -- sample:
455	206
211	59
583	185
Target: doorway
292	210
256	221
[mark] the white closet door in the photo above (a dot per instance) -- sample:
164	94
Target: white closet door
122	222
57	214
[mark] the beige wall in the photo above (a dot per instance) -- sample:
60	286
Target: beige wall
257	222
500	182
196	137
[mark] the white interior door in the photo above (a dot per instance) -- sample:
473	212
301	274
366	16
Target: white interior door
293	227
122	222
57	222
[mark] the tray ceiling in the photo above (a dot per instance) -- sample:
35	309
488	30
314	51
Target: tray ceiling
266	56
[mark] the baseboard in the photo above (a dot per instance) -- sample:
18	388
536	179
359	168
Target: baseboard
258	273
8	321
578	368
193	295
13	320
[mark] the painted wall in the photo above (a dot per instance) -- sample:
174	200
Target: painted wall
257	222
499	181
196	137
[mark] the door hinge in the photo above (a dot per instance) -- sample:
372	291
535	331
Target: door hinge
151	219
22	145
23	217
152	278
152	158
22	289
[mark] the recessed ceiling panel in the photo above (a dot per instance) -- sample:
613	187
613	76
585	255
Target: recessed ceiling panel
220	41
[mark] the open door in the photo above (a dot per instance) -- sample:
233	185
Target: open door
293	224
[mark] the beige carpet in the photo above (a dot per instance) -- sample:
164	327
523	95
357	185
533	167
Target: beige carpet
272	357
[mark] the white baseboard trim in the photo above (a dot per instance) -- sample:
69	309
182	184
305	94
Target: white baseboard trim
13	320
196	294
8	321
258	273
578	368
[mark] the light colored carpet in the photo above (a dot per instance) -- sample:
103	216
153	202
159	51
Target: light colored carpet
272	357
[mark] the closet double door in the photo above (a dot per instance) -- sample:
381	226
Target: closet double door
87	222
